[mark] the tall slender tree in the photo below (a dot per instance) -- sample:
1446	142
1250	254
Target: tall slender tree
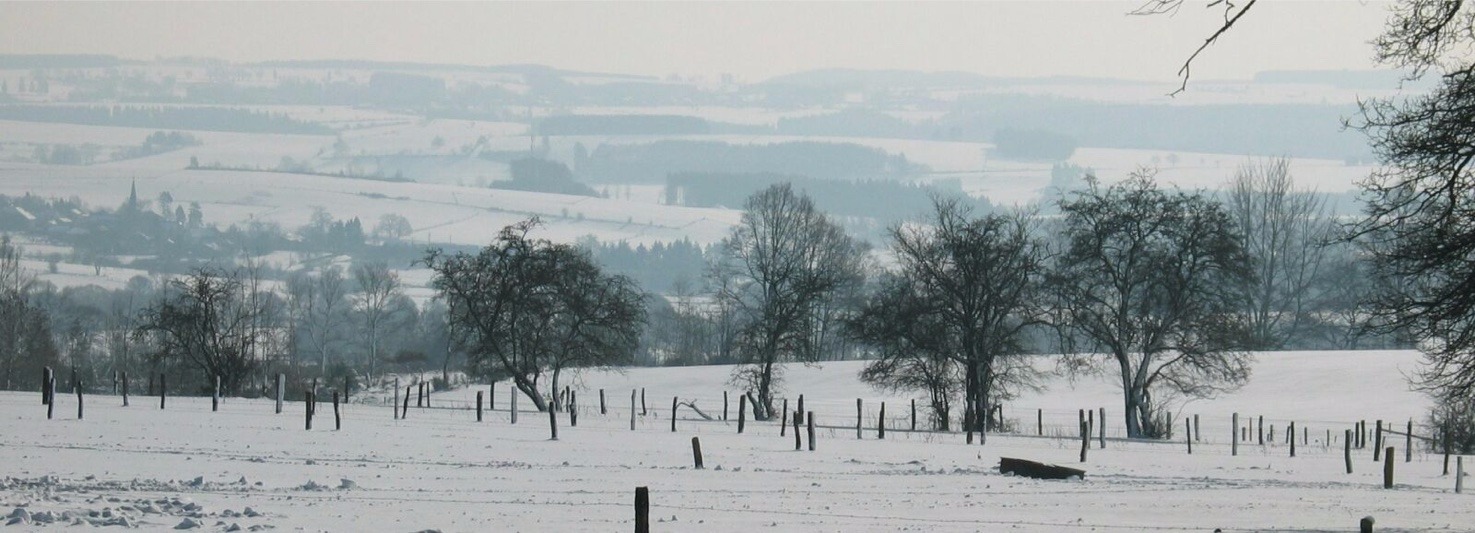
779	268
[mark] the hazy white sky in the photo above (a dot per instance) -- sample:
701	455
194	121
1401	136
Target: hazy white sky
751	40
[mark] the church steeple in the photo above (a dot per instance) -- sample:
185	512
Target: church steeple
133	196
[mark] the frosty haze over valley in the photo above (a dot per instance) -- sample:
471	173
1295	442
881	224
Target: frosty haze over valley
732	266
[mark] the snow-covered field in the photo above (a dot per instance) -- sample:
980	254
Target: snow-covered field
441	469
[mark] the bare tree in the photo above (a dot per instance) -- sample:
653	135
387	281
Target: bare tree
970	286
1285	232
1420	214
326	313
778	267
910	346
524	306
377	287
26	343
205	319
1147	277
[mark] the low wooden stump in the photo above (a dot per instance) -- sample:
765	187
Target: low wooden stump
1037	470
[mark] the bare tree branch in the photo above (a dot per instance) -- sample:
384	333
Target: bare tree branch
1232	14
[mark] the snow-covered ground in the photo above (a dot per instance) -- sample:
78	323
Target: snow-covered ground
441	469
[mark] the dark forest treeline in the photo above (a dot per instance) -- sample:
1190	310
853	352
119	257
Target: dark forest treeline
651	163
165	117
879	199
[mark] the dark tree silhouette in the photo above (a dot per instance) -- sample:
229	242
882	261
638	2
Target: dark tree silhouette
524	306
1148	279
1420	212
781	268
967	290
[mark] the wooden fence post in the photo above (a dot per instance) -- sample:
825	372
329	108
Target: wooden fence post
163	389
1408	443
914	414
1261	426
881	423
1347	449
1378	441
573	408
673	414
553	419
798	442
1090	422
696	452
1102	432
642	401
1196	433
79	401
49	389
478	406
724	406
642	509
1459	474
46	386
307	410
810	419
801	405
492	396
404	411
514	394
742	412
215	398
632	409
337	416
1188	435
858	416
1291	432
1040	422
1234	437
783	423
1085	438
602	410
1388	468
282	390
125	389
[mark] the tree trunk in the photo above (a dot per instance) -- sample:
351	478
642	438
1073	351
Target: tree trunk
531	390
970	396
765	386
1131	400
983	413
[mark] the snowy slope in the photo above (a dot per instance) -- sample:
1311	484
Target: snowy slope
441	469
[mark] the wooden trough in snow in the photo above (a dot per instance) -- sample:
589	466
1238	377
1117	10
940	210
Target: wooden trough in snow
1037	470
